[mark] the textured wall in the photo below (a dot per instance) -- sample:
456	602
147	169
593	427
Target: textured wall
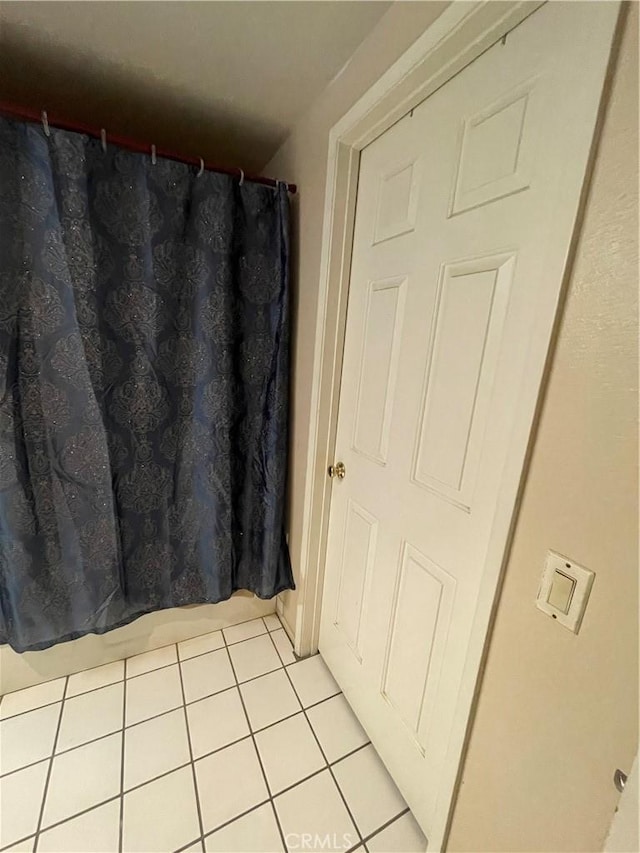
557	712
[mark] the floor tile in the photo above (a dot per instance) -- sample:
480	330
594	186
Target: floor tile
25	846
31	698
148	661
82	778
28	737
95	831
229	783
375	802
289	752
315	807
21	798
153	693
269	699
272	622
312	680
337	727
283	645
162	815
402	836
99	676
207	674
244	631
91	715
155	747
254	657
256	832
216	721
200	645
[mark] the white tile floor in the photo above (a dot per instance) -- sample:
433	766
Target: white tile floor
221	743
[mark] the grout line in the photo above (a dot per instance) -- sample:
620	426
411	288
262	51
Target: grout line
30	710
190	845
254	677
171	711
124	725
164	666
188	764
271	630
142	722
385	825
328	766
270	799
39	684
193	766
349	754
237	817
278	650
264	633
255	745
140	674
310	775
50	768
72	817
67	699
11	846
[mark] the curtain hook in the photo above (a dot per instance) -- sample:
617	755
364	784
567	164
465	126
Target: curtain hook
103	139
241	177
153	155
45	123
201	169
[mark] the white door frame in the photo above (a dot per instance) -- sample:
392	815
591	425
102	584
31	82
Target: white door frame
462	33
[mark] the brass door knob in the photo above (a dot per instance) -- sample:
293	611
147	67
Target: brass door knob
338	470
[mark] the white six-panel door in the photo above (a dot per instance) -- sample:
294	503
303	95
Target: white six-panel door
464	217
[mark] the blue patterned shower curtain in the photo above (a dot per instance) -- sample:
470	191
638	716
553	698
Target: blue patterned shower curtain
144	359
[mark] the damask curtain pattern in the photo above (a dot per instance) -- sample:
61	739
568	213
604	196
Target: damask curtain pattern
144	360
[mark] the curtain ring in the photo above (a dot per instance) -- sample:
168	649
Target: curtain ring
103	140
201	169
241	177
153	155
45	123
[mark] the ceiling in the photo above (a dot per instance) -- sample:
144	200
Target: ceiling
221	80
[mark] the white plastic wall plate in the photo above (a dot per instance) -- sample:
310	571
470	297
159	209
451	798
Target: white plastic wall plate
570	599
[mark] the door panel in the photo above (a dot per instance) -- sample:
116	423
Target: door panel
379	367
471	304
418	630
464	217
358	553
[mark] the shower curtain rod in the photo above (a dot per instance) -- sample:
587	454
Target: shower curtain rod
27	114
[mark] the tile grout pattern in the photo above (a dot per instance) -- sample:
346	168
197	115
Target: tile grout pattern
327	763
253	738
270	698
